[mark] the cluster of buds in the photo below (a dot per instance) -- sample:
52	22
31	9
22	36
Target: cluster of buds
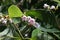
30	20
5	19
52	7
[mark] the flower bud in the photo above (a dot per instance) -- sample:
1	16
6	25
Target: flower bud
46	6
52	7
2	19
37	25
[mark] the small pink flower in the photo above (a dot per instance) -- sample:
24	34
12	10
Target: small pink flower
31	21
24	18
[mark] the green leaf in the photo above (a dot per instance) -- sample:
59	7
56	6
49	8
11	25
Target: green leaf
4	32
46	36
35	34
58	1
14	11
34	13
10	34
49	30
16	20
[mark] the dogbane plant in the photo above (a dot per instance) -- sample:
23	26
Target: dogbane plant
12	27
34	25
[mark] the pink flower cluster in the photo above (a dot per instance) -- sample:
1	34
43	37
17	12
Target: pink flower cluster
31	21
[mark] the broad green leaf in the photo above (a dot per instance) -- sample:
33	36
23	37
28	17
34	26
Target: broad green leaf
46	36
34	13
14	11
35	34
4	32
49	30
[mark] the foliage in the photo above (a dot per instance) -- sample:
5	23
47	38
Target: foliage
14	11
14	23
